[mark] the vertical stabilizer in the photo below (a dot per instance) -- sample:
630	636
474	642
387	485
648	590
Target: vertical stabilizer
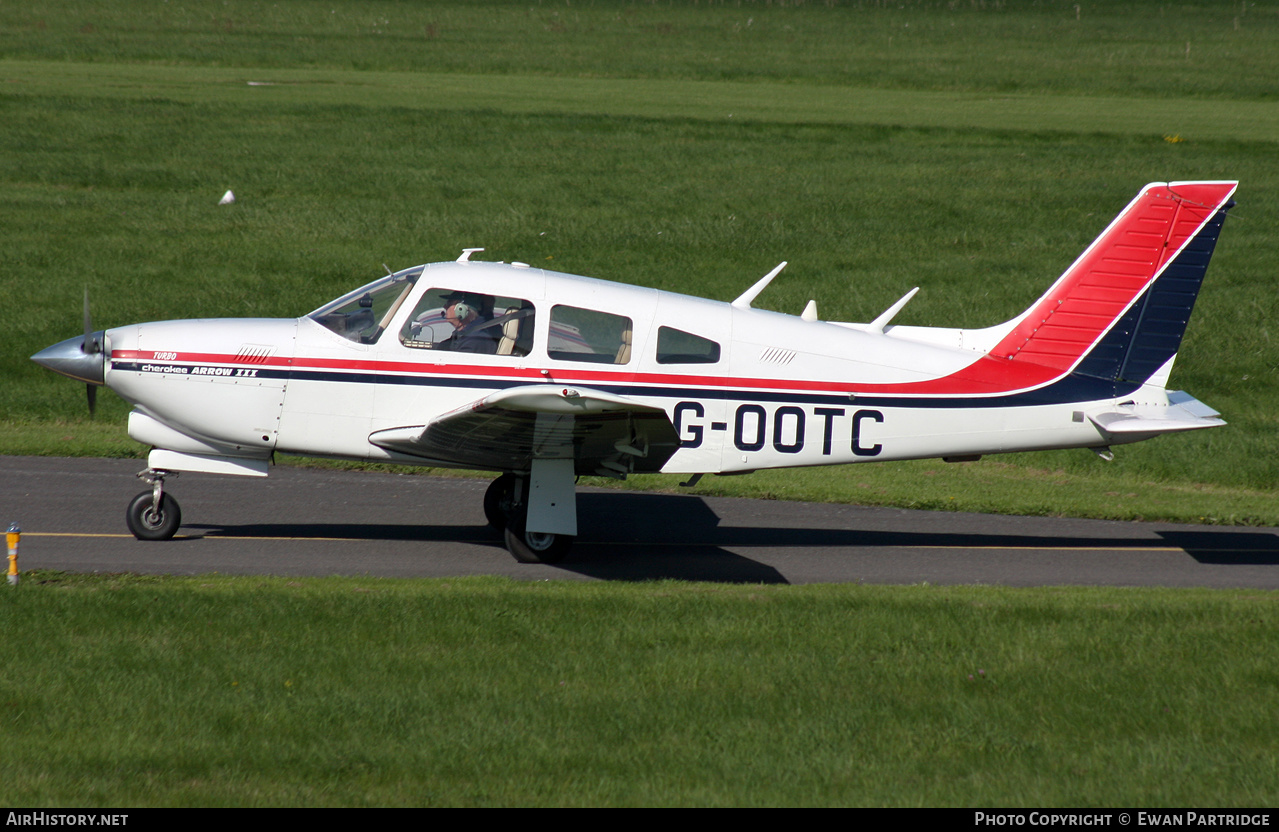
1119	312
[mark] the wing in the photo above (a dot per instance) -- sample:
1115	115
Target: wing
604	434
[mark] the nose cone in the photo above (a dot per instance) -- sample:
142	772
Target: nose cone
79	358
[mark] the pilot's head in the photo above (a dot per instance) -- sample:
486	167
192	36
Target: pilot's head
460	308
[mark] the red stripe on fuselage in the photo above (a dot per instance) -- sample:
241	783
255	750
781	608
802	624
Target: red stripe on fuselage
1003	376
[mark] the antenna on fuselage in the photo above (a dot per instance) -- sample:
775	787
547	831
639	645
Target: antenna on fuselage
744	302
879	323
466	254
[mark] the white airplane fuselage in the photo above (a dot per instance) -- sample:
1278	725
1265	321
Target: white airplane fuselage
546	376
785	392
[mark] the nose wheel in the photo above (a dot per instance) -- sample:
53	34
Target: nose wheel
153	515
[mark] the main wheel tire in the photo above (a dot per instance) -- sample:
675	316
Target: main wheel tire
499	501
148	524
537	547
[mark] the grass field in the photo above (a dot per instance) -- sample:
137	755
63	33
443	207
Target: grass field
216	691
1206	49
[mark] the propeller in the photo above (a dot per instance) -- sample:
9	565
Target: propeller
90	346
83	359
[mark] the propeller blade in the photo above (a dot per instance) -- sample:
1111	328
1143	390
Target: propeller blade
90	344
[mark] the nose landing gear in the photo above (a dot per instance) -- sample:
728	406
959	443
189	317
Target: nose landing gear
153	515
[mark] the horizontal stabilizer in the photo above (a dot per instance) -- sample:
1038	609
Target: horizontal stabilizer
1183	412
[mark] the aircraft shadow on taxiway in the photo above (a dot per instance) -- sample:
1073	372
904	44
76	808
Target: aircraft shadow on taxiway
619	539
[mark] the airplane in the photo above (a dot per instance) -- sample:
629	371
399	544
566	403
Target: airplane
542	377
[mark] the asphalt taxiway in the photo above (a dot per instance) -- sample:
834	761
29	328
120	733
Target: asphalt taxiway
302	521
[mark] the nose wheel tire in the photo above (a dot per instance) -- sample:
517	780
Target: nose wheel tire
148	523
537	547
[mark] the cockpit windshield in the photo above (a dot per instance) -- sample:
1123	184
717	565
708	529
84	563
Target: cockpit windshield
362	315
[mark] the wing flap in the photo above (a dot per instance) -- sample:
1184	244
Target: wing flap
603	433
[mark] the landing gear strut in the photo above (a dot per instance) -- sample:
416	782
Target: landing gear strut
506	506
153	515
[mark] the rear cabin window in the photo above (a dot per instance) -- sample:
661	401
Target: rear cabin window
469	322
590	336
674	346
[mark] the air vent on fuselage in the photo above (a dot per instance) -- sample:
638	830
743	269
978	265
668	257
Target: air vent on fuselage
254	353
775	355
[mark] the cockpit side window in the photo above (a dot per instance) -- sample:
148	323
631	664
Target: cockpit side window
462	321
591	336
674	346
362	315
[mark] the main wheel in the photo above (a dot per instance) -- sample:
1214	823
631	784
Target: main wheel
499	501
149	524
537	547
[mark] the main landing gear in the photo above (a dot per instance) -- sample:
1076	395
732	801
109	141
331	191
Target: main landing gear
153	515
506	506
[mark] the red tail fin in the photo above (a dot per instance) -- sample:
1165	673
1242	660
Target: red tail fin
1112	272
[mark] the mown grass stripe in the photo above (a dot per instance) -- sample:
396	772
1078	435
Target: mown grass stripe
1185	118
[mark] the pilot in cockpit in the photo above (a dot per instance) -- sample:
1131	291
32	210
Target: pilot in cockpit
471	317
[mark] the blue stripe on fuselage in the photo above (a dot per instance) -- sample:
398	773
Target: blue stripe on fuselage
1069	389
